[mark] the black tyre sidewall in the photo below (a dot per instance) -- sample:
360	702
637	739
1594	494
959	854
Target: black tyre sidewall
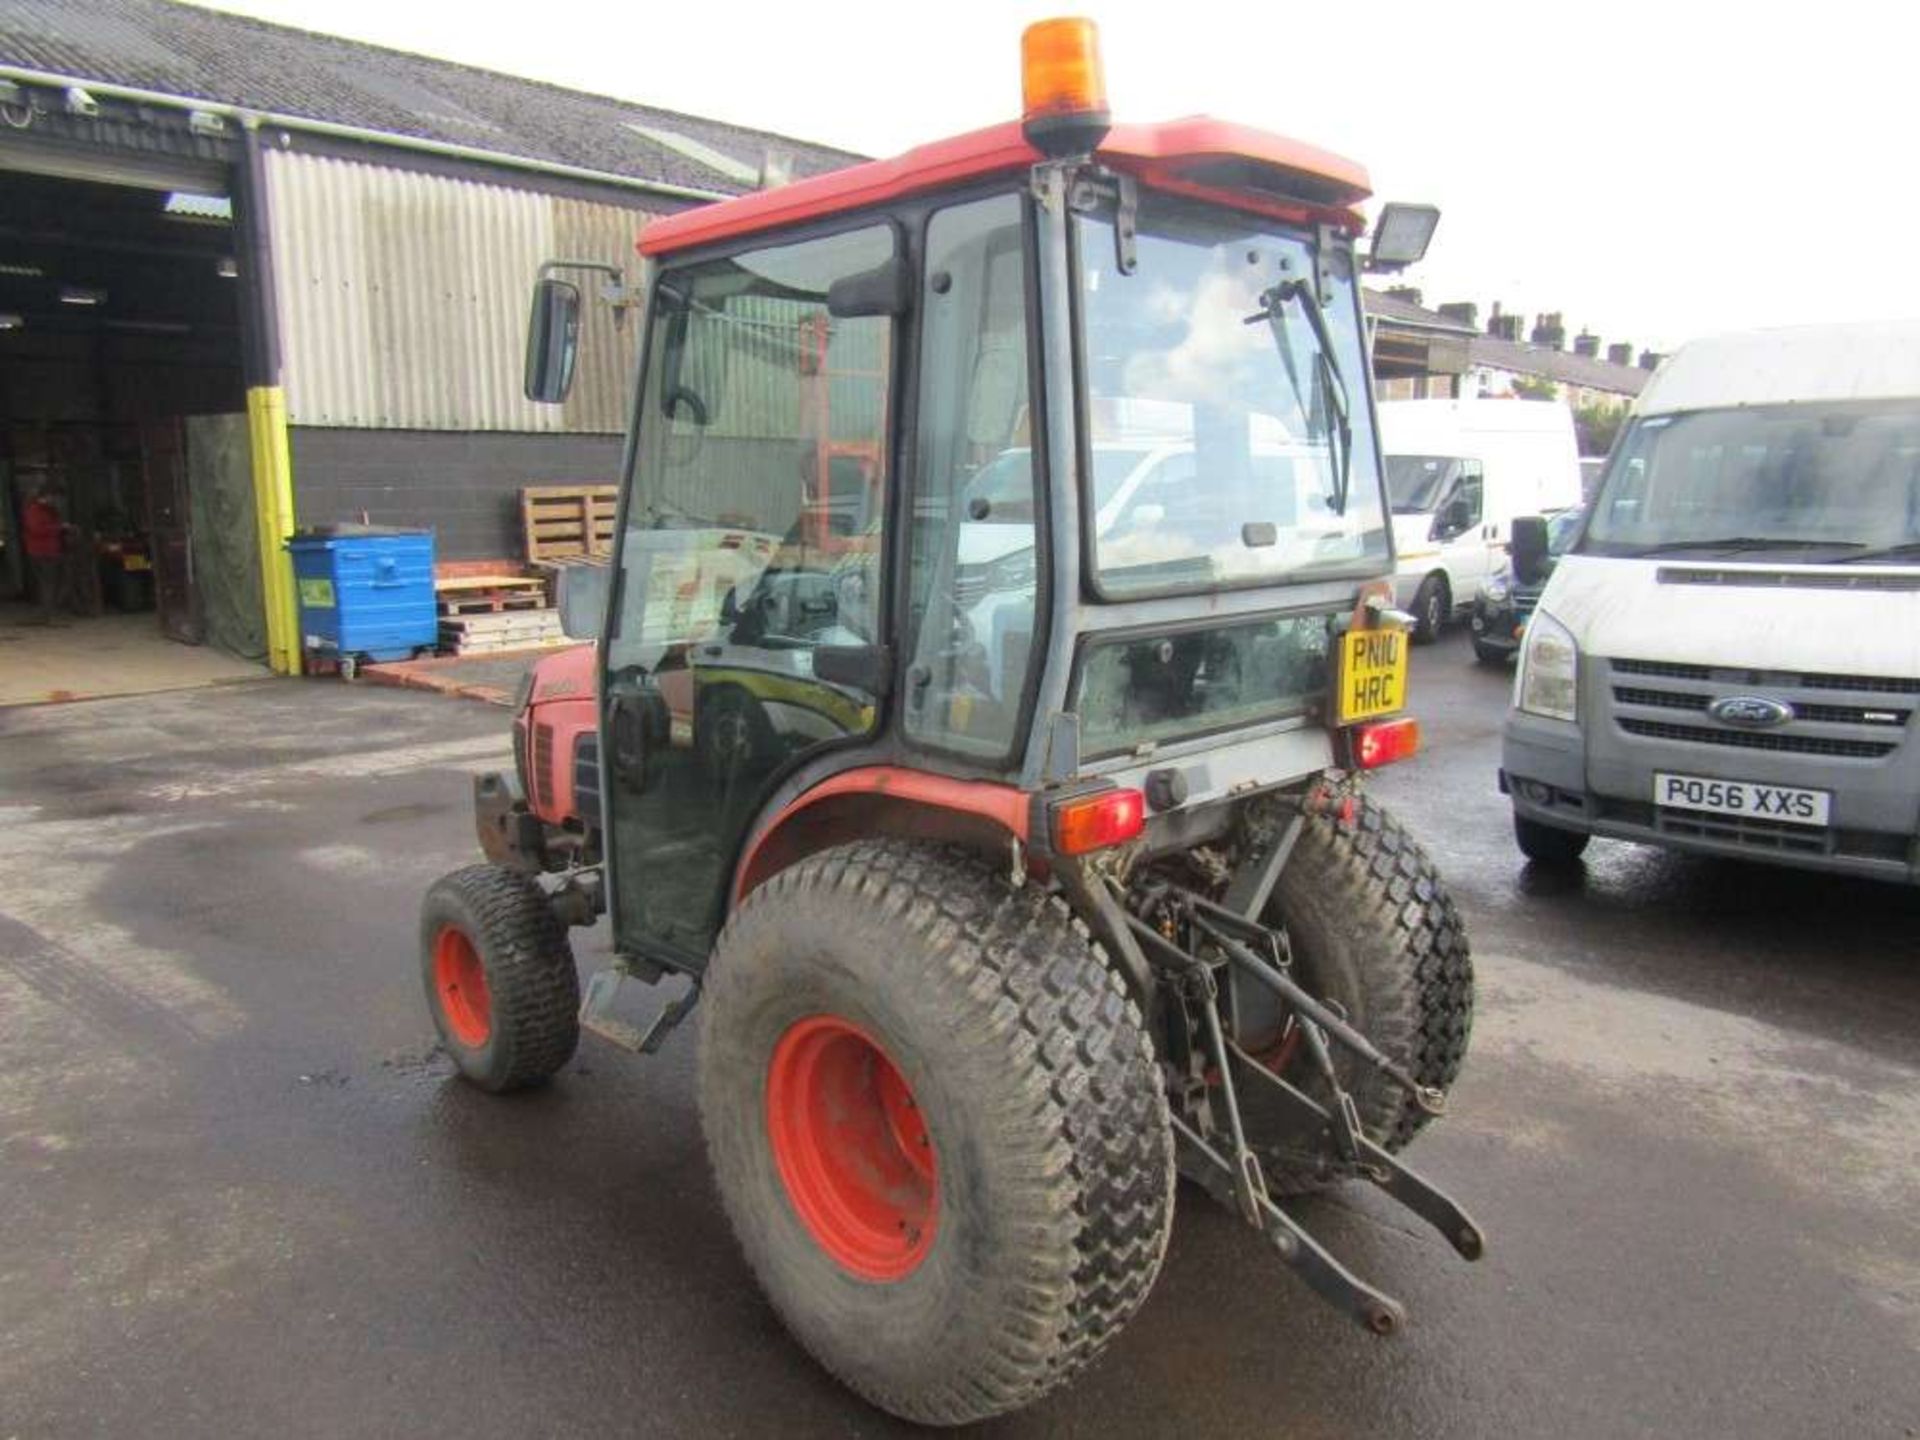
1547	844
531	979
1429	610
1361	938
1003	1256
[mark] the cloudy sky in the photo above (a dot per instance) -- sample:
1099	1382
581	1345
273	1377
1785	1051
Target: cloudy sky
1653	170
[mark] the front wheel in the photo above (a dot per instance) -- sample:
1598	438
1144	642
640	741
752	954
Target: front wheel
500	978
1547	844
937	1126
1432	605
1372	929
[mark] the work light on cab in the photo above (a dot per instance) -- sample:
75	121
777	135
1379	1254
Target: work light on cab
1063	87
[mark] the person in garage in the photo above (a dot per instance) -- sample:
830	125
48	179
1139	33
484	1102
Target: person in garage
44	537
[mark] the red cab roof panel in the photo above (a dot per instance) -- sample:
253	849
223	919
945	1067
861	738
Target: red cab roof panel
1251	169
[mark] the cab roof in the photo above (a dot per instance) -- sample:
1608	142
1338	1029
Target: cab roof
1250	169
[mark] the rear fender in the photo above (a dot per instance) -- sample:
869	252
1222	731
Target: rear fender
883	800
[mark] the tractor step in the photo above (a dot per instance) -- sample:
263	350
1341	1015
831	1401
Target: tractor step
596	1015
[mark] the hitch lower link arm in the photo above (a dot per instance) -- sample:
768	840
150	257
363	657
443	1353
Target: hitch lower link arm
1239	1179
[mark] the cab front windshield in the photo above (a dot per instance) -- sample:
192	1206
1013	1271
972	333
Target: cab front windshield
1821	483
1237	424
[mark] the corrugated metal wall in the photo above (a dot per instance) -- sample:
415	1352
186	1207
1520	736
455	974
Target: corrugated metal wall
403	298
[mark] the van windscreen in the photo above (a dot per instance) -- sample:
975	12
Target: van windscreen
1832	481
1416	482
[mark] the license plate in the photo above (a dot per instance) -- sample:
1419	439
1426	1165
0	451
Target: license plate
1373	674
1786	803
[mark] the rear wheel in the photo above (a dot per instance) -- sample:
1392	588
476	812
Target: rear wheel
1373	930
500	978
1547	844
937	1126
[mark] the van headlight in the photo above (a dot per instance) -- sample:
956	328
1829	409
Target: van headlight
1548	682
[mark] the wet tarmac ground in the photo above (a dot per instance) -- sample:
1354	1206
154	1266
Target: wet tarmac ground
241	1195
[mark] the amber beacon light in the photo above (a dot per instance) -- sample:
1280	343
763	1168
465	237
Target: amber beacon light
1063	87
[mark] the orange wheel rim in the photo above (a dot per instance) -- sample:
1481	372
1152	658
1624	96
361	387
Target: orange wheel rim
852	1148
460	985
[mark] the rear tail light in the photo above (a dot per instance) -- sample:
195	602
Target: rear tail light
1382	744
1093	822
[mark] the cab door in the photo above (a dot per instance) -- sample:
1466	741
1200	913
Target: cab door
745	632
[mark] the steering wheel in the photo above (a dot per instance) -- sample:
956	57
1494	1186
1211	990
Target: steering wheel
681	449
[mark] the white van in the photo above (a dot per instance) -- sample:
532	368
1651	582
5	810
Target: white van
1727	658
1458	472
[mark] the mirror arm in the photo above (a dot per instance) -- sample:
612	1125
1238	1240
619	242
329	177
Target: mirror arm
616	292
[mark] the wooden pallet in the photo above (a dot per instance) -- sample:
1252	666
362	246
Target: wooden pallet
500	602
509	630
562	522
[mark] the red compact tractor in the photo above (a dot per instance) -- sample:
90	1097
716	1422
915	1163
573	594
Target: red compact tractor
997	633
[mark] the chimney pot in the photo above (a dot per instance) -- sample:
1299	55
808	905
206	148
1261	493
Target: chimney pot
1620	353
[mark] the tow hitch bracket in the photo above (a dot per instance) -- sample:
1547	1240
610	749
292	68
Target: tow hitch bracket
1329	1135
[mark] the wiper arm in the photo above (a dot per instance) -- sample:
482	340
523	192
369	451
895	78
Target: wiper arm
1332	382
1884	552
1738	543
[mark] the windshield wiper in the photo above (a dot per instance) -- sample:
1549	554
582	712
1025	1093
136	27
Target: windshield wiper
1737	543
1885	552
1332	383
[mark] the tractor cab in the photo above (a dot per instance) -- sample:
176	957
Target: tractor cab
1040	459
998	622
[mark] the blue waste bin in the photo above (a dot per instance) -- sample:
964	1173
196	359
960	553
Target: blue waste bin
366	593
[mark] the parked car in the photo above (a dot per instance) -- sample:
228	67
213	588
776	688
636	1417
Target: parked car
1503	604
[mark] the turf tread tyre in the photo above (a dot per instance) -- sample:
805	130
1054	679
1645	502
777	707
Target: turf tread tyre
532	984
1373	928
1045	1067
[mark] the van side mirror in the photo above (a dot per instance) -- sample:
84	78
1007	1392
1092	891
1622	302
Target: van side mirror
1528	546
580	593
553	341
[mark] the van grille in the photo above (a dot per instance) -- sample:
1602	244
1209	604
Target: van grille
1736	675
1759	740
1835	715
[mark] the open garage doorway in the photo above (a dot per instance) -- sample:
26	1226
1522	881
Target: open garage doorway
123	437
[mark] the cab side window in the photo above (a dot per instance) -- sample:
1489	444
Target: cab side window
971	591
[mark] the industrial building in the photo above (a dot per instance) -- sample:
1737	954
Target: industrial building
253	278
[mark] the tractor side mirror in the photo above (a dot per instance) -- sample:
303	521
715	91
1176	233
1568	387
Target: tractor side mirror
1528	546
580	592
882	290
553	341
